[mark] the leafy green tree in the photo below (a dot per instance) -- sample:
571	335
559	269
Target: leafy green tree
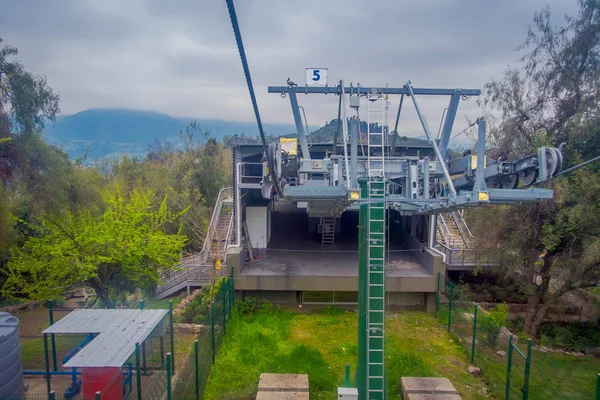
116	252
30	170
554	98
27	97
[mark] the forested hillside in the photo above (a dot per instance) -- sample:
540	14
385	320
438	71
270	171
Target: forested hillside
552	98
112	226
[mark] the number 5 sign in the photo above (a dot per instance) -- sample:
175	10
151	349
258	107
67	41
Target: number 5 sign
316	76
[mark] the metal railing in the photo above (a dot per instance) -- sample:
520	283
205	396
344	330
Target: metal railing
243	178
450	238
190	268
462	226
454	257
442	230
214	221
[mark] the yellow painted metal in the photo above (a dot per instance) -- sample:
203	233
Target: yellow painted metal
289	145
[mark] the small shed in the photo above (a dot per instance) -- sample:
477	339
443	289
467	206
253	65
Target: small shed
116	333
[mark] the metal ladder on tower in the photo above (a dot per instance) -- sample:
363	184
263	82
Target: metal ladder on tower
328	230
376	383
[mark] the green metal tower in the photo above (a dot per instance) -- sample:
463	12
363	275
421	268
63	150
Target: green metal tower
370	376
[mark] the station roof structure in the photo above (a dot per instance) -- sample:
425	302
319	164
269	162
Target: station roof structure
117	333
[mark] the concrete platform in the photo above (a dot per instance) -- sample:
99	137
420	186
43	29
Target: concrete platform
283	387
328	262
428	386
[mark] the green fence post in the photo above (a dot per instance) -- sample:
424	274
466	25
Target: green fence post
48	385
51	396
138	372
225	296
508	368
143	343
172	336
437	295
527	370
51	318
229	291
169	376
232	288
474	333
450	305
223	309
598	387
212	330
347	375
98	396
197	369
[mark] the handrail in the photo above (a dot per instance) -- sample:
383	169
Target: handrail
464	223
228	236
213	224
461	231
462	227
441	217
179	272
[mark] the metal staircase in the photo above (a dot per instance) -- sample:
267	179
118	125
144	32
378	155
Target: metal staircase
218	244
455	240
375	380
452	231
196	270
327	230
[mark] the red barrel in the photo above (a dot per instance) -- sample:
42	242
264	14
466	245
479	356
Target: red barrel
108	381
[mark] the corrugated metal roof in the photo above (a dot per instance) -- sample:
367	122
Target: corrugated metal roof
118	331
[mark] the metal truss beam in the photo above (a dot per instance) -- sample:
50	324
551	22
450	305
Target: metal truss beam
366	90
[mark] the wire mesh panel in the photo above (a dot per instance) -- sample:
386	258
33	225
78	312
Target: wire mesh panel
551	374
185	388
196	367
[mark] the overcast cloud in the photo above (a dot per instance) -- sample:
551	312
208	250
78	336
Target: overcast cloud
179	57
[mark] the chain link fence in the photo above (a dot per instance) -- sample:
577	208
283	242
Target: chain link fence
192	379
512	368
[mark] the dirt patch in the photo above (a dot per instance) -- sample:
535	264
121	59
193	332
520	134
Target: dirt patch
36	385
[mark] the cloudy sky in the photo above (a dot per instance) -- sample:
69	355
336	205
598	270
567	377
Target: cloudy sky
179	57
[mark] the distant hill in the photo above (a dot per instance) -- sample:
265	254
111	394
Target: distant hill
110	132
326	133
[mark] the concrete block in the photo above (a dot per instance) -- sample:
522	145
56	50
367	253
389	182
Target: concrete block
282	396
422	396
283	382
427	386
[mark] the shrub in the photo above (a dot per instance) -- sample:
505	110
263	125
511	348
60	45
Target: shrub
199	319
200	304
492	322
252	305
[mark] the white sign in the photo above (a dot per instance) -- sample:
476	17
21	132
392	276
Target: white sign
316	76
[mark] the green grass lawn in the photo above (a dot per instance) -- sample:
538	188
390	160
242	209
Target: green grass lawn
164	303
322	344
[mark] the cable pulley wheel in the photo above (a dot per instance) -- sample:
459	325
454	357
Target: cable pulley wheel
553	161
527	176
509	181
493	184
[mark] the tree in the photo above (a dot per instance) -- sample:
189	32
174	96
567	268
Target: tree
553	245
28	98
29	168
121	249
